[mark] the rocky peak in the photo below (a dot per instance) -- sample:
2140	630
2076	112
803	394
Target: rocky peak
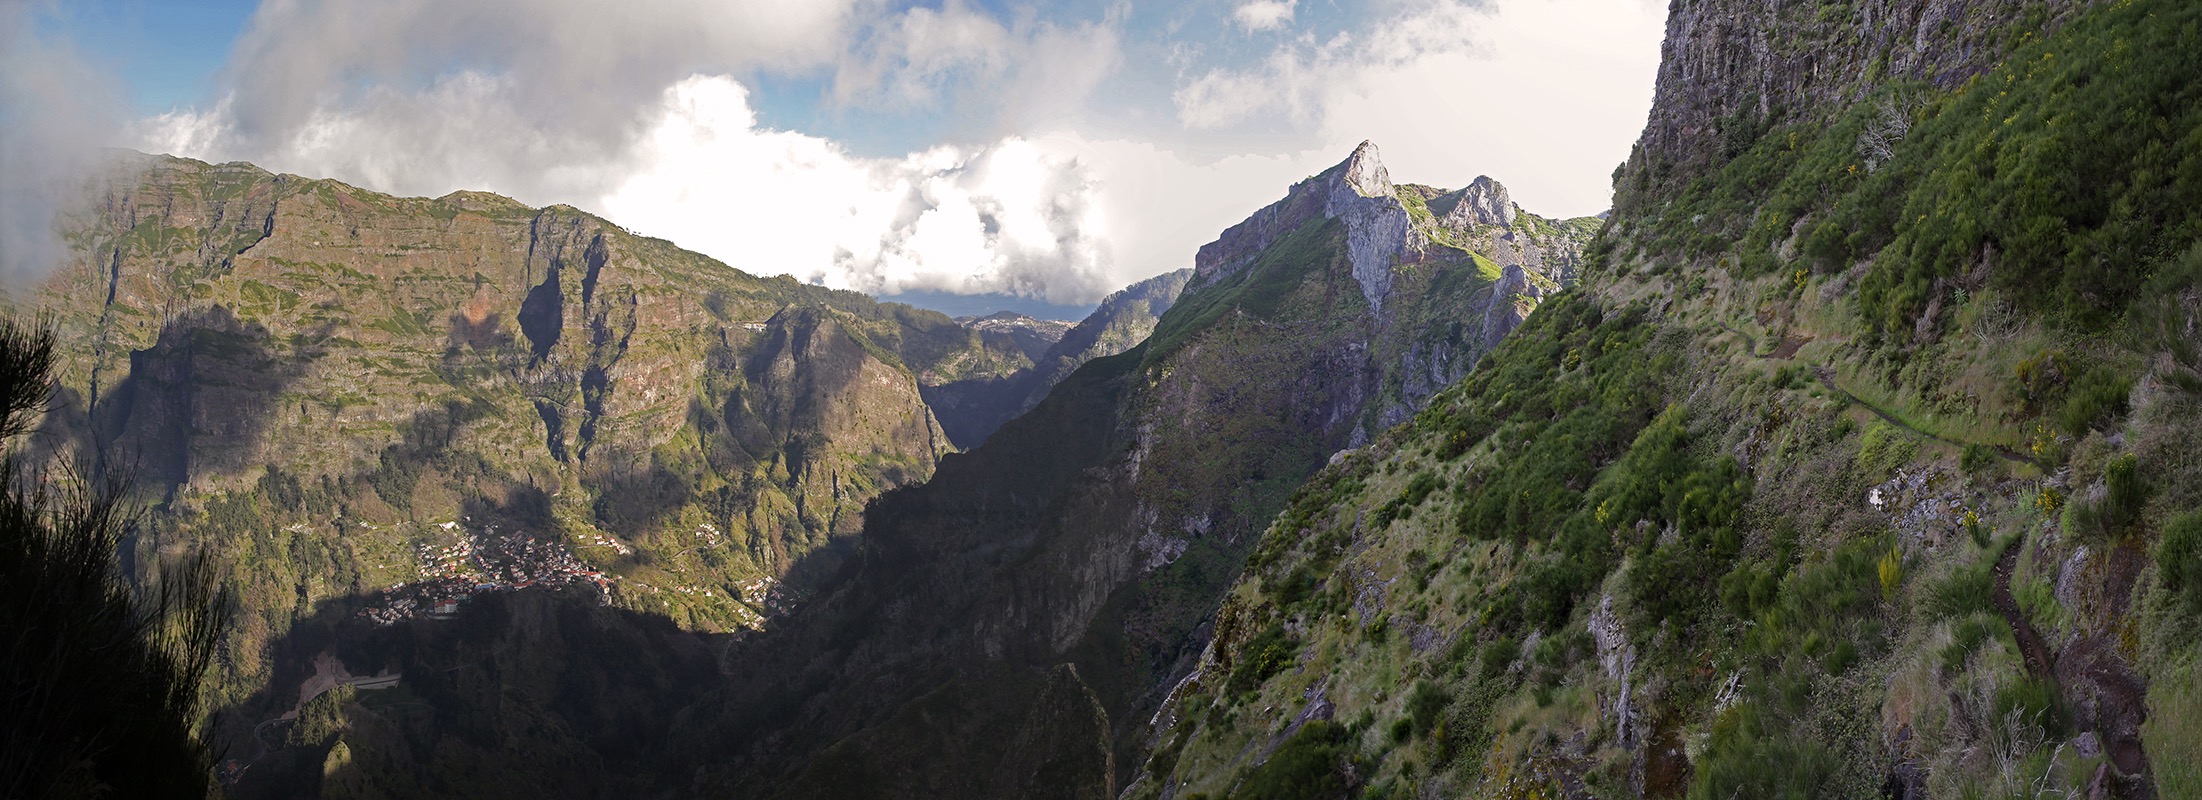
1364	172
1483	202
1358	191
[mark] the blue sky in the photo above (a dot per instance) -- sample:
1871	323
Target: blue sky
166	52
1051	151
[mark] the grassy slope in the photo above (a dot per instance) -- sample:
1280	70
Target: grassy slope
1658	489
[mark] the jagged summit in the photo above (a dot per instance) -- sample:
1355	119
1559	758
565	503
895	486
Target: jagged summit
1358	189
1482	202
1364	172
1386	224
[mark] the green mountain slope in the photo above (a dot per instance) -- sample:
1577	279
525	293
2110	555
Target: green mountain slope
1048	587
365	404
1859	463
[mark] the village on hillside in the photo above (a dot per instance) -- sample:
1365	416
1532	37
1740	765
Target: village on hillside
478	560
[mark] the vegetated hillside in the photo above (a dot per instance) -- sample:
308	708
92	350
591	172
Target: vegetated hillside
364	405
1009	626
972	409
1861	462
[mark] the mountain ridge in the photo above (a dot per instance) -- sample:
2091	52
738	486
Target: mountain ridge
1081	545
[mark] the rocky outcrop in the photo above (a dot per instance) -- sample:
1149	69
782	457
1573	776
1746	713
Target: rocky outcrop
1512	298
1358	191
1730	70
1480	203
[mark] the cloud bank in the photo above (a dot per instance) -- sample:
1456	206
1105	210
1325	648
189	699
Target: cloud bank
1085	153
54	112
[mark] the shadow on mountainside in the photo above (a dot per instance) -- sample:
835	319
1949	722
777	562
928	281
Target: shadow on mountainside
197	403
539	692
897	677
542	691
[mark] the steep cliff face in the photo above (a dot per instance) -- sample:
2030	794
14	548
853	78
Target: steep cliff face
338	314
1854	465
1087	540
1728	72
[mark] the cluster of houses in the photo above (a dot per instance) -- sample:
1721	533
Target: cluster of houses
710	536
602	540
482	560
764	593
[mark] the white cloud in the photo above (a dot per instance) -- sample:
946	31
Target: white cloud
55	112
1547	96
1001	78
647	120
1285	86
908	59
533	98
1009	217
1263	15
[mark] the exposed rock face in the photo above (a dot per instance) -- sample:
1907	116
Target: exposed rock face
1512	298
1359	190
1728	70
1031	336
1482	202
1377	226
227	319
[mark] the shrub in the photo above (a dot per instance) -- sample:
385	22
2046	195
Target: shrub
105	680
1317	762
1747	757
1268	653
1967	637
2179	561
2040	378
1750	588
2127	490
1424	705
1891	569
1978	459
1418	489
2034	702
1966	590
1885	447
2094	401
2120	507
